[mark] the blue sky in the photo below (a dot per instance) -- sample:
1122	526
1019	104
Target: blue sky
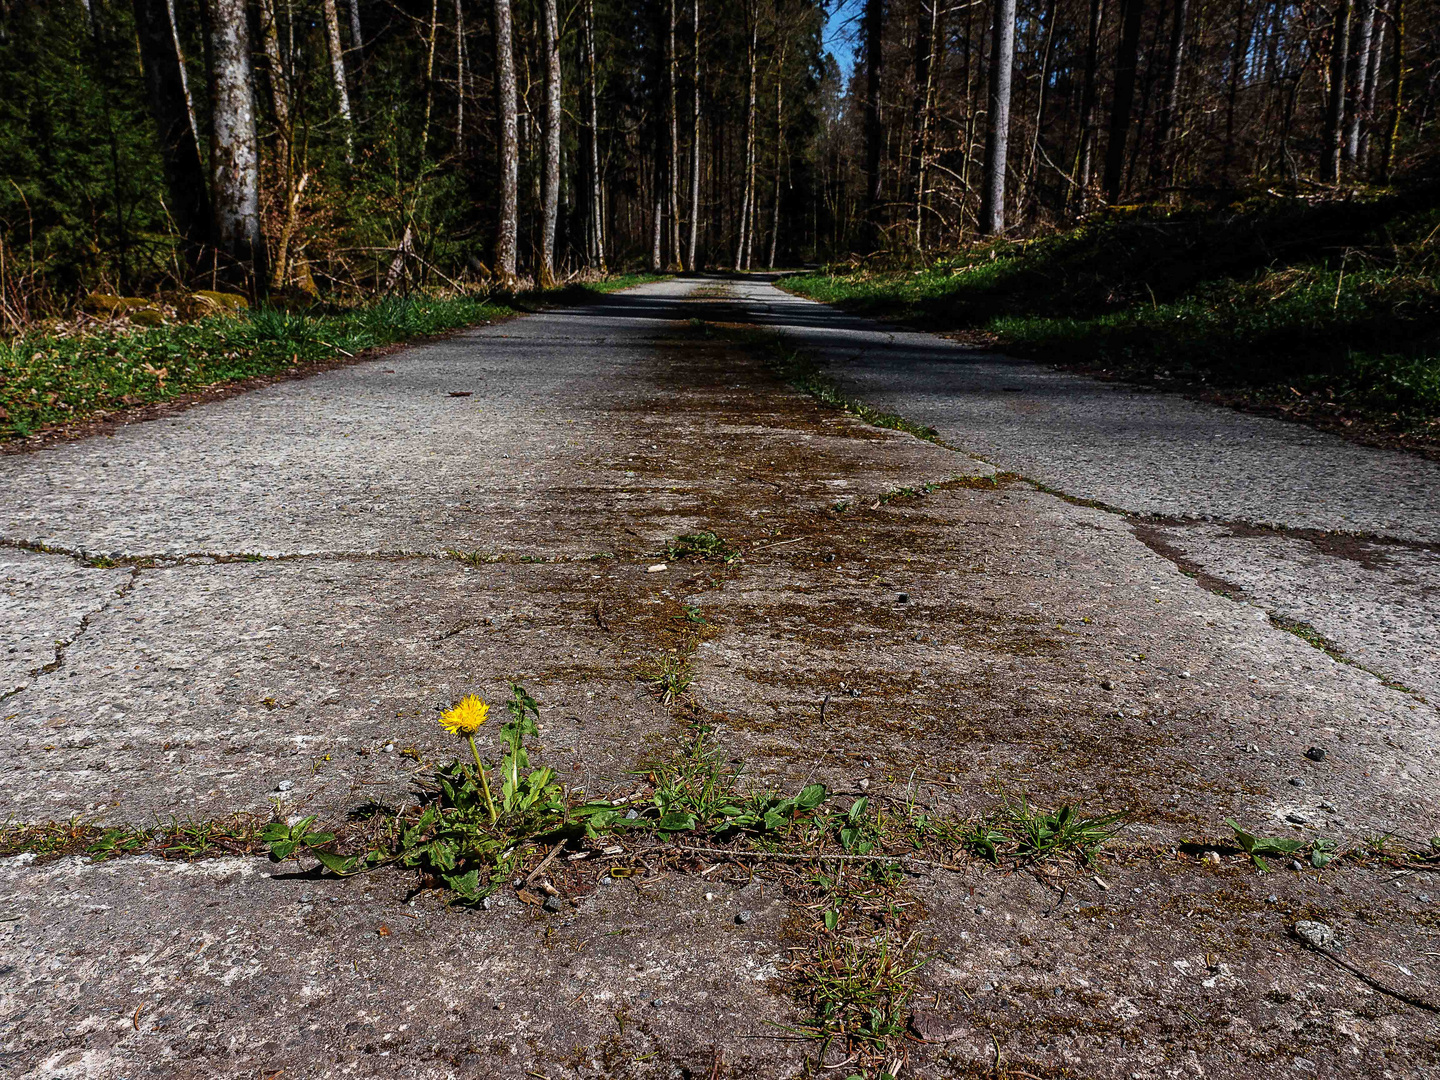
842	31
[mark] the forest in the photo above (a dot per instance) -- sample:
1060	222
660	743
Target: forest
312	155
326	147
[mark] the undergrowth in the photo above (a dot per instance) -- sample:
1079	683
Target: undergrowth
1328	310
79	373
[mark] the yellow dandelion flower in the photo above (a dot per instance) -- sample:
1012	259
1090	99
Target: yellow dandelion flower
465	717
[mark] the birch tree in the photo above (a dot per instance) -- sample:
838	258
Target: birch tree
337	73
551	188
997	120
234	155
507	145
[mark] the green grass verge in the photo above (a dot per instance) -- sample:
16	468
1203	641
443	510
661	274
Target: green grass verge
50	379
1327	309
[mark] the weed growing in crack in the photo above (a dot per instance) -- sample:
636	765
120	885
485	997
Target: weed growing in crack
1028	834
705	546
458	837
856	991
470	558
699	791
669	675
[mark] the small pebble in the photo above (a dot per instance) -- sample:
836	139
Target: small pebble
285	785
1272	899
1296	864
743	917
709	896
829	558
902	598
658	568
389	748
1328	807
1106	684
1296	781
864	784
632	815
1315	753
1184	674
554	905
1424	898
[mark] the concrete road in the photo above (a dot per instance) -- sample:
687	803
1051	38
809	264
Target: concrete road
259	606
1316	530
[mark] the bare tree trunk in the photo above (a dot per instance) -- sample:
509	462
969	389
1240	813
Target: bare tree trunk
657	224
874	29
695	149
1372	81
174	125
1335	111
1085	152
459	77
357	40
234	156
1028	179
672	177
1362	77
747	201
1162	166
779	155
275	67
1123	104
997	135
285	145
925	53
596	212
337	69
507	226
429	75
1397	94
184	74
551	208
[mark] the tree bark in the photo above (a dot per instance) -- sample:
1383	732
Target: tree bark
779	156
1362	77
1123	104
874	30
1372	81
169	107
1028	179
1163	164
429	75
508	145
337	70
459	77
672	172
747	201
997	120
596	207
926	49
1085	147
1397	94
357	40
1330	166
551	188
234	156
694	148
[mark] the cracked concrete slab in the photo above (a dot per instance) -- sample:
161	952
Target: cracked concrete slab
979	637
1160	455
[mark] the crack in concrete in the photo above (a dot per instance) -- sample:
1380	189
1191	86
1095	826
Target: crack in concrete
63	646
113	559
1146	528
